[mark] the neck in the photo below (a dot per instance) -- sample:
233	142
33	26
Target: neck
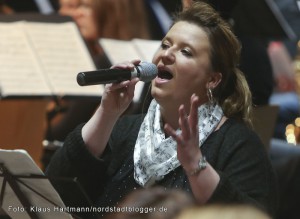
170	115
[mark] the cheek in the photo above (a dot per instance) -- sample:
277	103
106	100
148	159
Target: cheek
189	74
193	81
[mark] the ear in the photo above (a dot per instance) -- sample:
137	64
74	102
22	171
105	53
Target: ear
214	80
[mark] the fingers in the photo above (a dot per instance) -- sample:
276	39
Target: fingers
123	90
193	118
124	84
187	124
184	123
128	84
131	86
136	61
171	132
127	65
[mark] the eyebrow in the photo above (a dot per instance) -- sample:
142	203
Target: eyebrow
185	44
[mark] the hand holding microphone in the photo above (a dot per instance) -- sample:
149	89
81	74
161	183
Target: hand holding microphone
120	83
144	71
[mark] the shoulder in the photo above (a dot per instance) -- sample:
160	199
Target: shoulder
242	161
235	139
237	131
239	136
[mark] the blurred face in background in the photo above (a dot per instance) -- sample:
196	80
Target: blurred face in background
86	21
186	3
68	7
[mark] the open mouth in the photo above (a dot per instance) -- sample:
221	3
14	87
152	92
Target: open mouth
165	75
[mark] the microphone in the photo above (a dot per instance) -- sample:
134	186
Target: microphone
144	71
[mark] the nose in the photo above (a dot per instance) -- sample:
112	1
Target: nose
168	56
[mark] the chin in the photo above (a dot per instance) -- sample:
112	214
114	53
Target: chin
161	97
156	95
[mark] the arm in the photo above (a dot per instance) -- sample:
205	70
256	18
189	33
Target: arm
80	156
74	161
204	182
238	171
246	174
115	101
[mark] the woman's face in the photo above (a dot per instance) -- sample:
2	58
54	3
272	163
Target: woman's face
86	21
183	63
68	7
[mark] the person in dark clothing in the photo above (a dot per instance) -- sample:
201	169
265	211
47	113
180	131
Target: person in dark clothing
196	135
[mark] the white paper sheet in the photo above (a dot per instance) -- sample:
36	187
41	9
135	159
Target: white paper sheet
43	59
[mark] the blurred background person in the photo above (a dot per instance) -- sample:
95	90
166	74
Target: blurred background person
224	212
68	7
121	19
4	8
153	203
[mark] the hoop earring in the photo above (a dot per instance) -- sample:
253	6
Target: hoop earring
210	96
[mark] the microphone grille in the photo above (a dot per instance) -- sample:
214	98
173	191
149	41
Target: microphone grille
148	71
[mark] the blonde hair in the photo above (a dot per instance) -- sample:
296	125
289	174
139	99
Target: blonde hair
233	93
224	212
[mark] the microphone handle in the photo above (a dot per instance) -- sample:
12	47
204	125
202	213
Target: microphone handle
104	76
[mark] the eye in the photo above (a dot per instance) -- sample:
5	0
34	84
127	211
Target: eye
164	45
186	52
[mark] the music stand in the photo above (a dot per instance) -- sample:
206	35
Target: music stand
29	195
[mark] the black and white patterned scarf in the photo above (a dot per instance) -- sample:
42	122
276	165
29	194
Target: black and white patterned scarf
154	155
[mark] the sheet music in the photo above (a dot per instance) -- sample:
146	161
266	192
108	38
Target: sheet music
52	54
119	51
147	48
18	162
19	69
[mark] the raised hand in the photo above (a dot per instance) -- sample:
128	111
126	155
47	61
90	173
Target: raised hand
188	152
